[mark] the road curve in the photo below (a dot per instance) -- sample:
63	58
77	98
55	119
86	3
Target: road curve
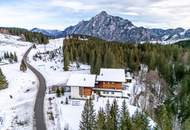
39	121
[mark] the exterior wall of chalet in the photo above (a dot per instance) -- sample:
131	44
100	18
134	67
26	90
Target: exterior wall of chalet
110	85
85	91
81	92
75	92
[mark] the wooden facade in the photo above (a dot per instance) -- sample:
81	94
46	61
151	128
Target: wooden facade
110	85
85	91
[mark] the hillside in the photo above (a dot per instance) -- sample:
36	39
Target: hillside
185	44
166	81
25	35
19	89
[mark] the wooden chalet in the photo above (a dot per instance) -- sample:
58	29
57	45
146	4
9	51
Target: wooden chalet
110	82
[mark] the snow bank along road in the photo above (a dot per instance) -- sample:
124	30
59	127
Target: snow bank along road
39	121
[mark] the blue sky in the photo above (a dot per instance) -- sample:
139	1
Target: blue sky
59	14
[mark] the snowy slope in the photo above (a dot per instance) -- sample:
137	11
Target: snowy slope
52	69
17	101
9	43
22	88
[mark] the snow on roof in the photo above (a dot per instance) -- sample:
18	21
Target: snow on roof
82	80
113	75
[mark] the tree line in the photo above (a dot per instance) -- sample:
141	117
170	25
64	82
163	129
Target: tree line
26	35
11	57
172	62
113	118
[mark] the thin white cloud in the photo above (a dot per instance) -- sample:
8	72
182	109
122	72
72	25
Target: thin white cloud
157	13
62	13
73	5
130	13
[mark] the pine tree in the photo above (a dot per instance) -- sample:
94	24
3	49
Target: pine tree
8	56
66	59
62	91
92	61
71	55
113	118
98	63
58	92
100	122
125	120
66	100
107	110
3	81
11	56
15	57
5	55
163	119
140	121
88	116
34	46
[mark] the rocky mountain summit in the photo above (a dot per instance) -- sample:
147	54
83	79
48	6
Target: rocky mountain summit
114	28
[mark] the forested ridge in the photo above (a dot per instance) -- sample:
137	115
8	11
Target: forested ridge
185	43
26	35
172	62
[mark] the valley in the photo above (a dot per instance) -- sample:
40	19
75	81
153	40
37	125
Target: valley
147	89
94	65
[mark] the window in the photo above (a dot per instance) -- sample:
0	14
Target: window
106	92
112	92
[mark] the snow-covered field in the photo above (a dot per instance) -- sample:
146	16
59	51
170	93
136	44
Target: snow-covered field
52	69
70	114
17	111
17	101
9	43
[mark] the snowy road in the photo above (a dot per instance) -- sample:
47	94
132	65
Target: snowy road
39	121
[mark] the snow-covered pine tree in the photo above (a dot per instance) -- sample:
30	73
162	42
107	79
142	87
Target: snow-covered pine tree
101	120
3	81
107	113
88	116
58	92
140	121
125	120
107	108
66	59
62	91
113	118
15	57
11	56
